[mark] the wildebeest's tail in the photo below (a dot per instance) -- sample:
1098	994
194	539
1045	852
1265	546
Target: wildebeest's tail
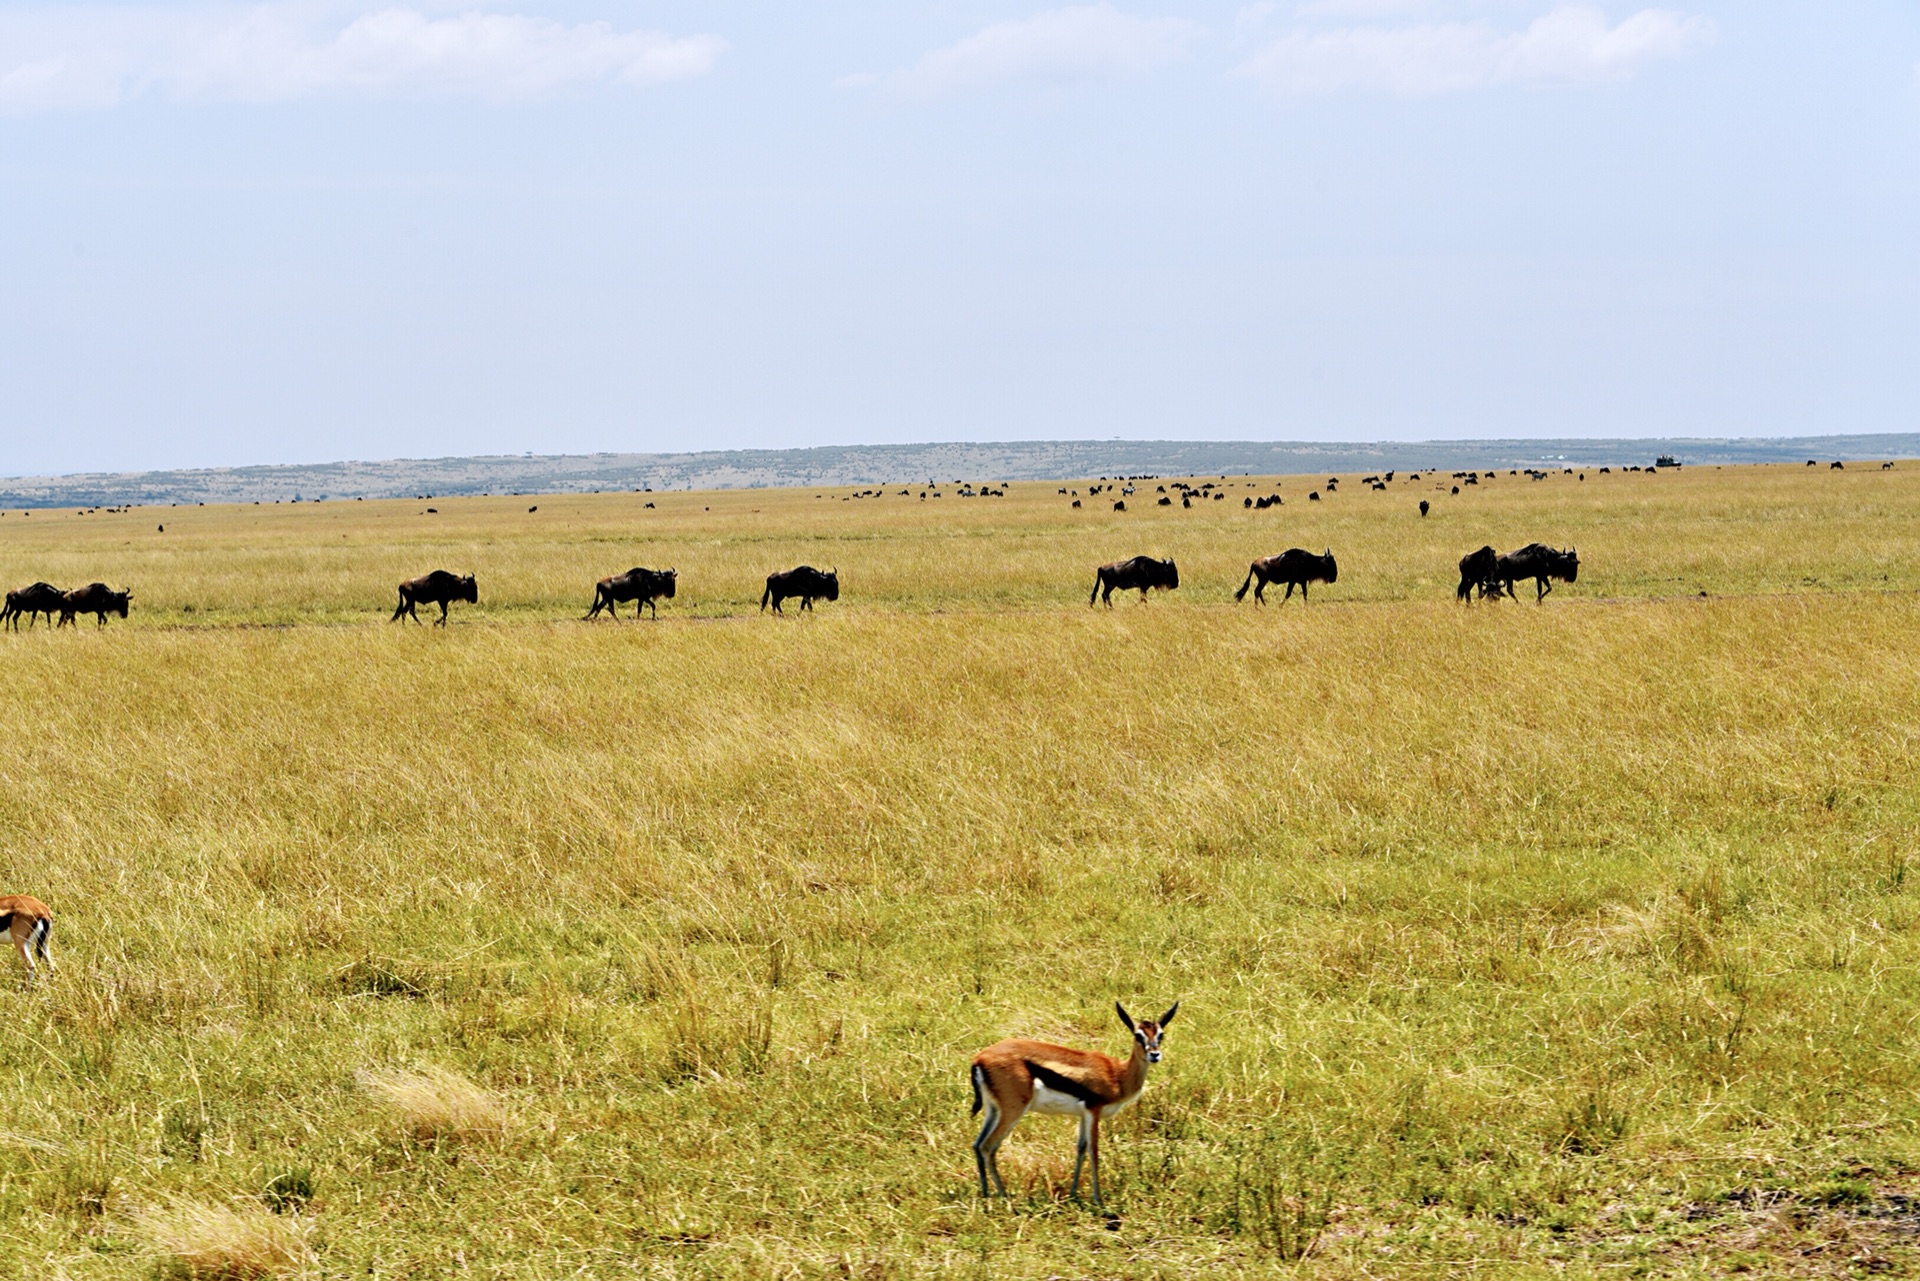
593	610
1242	593
974	1075
1095	593
766	595
399	609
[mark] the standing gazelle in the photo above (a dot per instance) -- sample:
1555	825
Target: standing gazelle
30	924
1015	1077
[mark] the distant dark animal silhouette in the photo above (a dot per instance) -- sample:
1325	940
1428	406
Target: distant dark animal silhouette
1477	571
1314	497
1296	567
1423	506
1541	563
638	585
97	599
1076	502
1140	573
804	581
534	508
438	588
1838	466
40	598
1120	504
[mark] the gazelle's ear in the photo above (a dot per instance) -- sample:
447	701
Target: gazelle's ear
1124	1016
1168	1016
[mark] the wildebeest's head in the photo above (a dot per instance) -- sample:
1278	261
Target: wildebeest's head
1172	574
1331	570
466	590
668	580
1569	567
117	602
833	584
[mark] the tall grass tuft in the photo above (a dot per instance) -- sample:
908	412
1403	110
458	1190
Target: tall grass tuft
208	1241
438	1103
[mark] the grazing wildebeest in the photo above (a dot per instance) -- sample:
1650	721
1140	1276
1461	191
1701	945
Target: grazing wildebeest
1423	506
638	585
40	598
804	581
1141	573
438	588
1477	570
1296	567
1540	563
97	599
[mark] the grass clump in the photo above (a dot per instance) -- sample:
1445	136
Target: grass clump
209	1241
437	1103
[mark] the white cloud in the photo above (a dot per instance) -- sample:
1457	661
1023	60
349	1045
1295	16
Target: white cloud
97	57
1082	42
1572	45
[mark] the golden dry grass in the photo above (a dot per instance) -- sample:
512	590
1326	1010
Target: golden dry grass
1573	938
437	1103
206	1241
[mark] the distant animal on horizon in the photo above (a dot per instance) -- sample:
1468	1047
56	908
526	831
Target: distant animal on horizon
437	588
804	581
1423	506
30	924
1477	571
1296	567
1014	1077
97	599
1540	563
639	585
1140	573
34	600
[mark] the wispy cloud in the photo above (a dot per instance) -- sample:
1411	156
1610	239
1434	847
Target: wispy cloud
1059	46
78	57
1572	45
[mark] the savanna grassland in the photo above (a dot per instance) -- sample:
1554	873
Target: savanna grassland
1576	938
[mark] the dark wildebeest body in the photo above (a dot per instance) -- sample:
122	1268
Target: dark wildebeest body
1141	573
641	586
1478	570
1296	567
40	598
438	588
1540	563
804	581
97	599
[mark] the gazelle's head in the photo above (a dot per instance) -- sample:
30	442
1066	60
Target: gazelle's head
1147	1031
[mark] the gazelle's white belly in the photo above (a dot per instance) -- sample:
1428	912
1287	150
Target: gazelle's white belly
1055	1102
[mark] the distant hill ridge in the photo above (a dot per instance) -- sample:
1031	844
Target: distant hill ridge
886	464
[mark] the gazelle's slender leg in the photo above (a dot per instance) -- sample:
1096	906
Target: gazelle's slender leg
987	1128
990	1141
1080	1154
1093	1148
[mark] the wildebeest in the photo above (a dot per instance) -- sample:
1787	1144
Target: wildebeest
638	585
438	588
1477	570
1540	563
1295	566
1140	573
40	598
1423	506
804	581
97	599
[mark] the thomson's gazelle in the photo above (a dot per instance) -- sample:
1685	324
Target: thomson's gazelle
1016	1077
30	924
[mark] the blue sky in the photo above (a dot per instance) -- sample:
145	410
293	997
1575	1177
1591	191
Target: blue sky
318	230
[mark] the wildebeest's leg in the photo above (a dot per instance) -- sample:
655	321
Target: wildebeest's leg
442	620
1289	595
1543	587
652	605
1260	591
806	604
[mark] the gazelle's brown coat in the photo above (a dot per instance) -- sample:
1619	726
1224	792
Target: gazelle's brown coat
1015	1077
30	924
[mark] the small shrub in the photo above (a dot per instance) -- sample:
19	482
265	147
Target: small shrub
438	1104
207	1242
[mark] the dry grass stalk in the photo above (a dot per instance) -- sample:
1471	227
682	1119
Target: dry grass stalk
437	1103
213	1242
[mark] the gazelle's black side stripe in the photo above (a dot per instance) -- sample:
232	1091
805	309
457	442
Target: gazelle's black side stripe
1061	1084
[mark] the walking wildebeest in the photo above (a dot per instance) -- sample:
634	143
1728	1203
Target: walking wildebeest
97	599
40	598
638	585
1540	563
438	588
1478	569
804	581
1295	566
1141	573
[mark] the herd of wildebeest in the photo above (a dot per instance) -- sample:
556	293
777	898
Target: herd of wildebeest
1483	573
